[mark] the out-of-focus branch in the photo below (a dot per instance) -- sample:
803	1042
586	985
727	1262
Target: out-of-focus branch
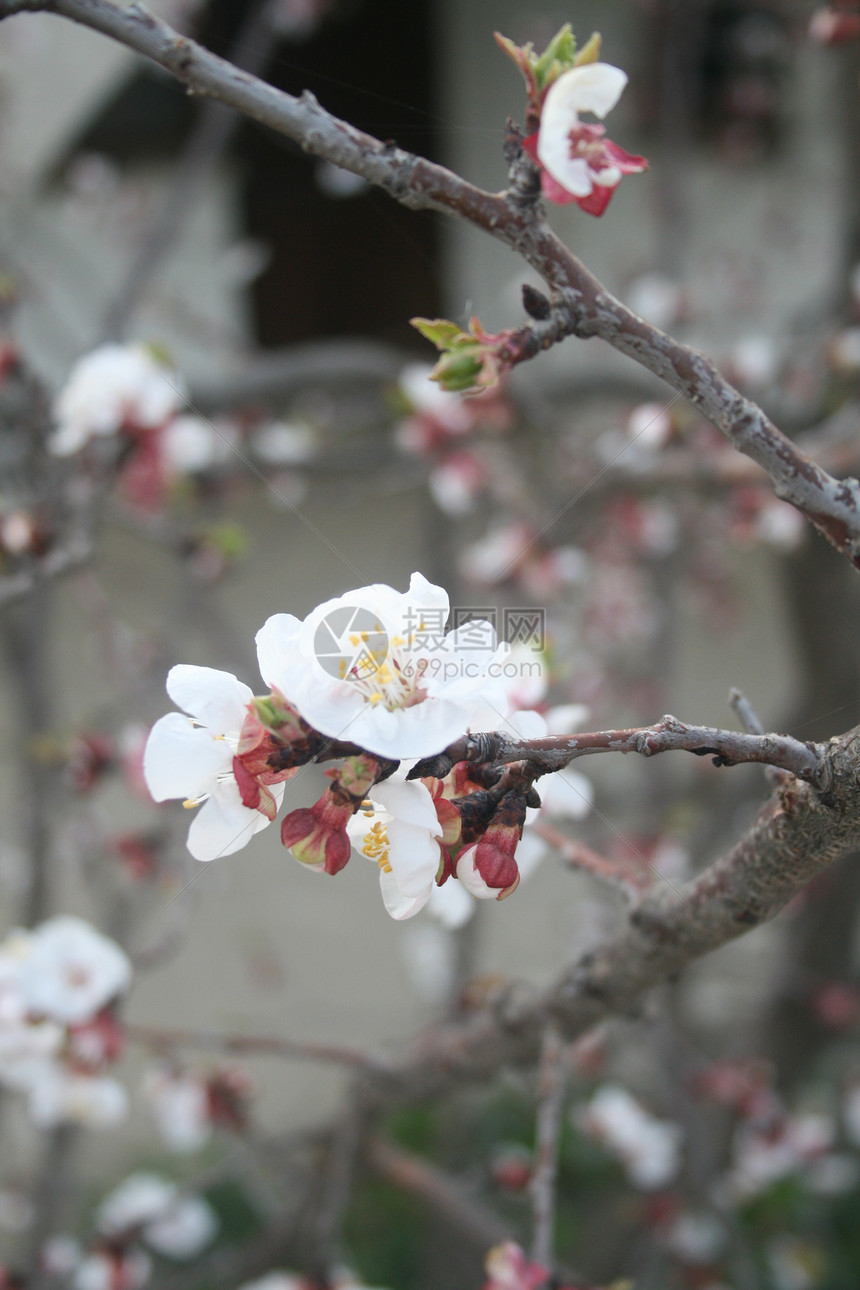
275	375
212	131
71	556
545	1171
163	1039
630	878
445	1195
579	306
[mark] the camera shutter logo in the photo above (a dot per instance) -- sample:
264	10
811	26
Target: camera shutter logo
350	643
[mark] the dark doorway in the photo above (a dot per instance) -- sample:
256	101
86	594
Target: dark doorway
349	263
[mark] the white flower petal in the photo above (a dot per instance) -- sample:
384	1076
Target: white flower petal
594	87
566	718
397	904
451	904
181	759
409	801
73	970
471	879
217	699
184	1231
276	651
414	857
566	793
223	825
531	849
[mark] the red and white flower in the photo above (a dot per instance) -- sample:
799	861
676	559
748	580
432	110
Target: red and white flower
194	758
172	1223
578	163
71	971
113	388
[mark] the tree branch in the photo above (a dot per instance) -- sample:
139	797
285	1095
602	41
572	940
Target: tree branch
159	1037
551	1085
581	306
445	1195
797	834
727	747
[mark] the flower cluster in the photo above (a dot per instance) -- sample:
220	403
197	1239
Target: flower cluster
130	392
370	679
187	1105
444	429
144	1214
58	1033
650	1149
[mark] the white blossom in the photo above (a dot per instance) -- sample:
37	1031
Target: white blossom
139	1199
128	1270
430	399
62	1096
171	1223
180	1106
189	444
277	1281
763	1154
71	970
113	386
650	1149
186	1228
375	666
191	758
397	827
285	443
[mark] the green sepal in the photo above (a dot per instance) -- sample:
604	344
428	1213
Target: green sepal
272	712
590	52
457	371
439	331
558	57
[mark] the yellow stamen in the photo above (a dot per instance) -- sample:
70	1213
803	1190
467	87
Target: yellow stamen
190	803
375	846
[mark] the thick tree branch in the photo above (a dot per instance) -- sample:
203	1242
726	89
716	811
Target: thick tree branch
581	306
797	834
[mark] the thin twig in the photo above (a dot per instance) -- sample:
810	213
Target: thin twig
551	1085
749	719
161	1038
627	877
746	713
444	1194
